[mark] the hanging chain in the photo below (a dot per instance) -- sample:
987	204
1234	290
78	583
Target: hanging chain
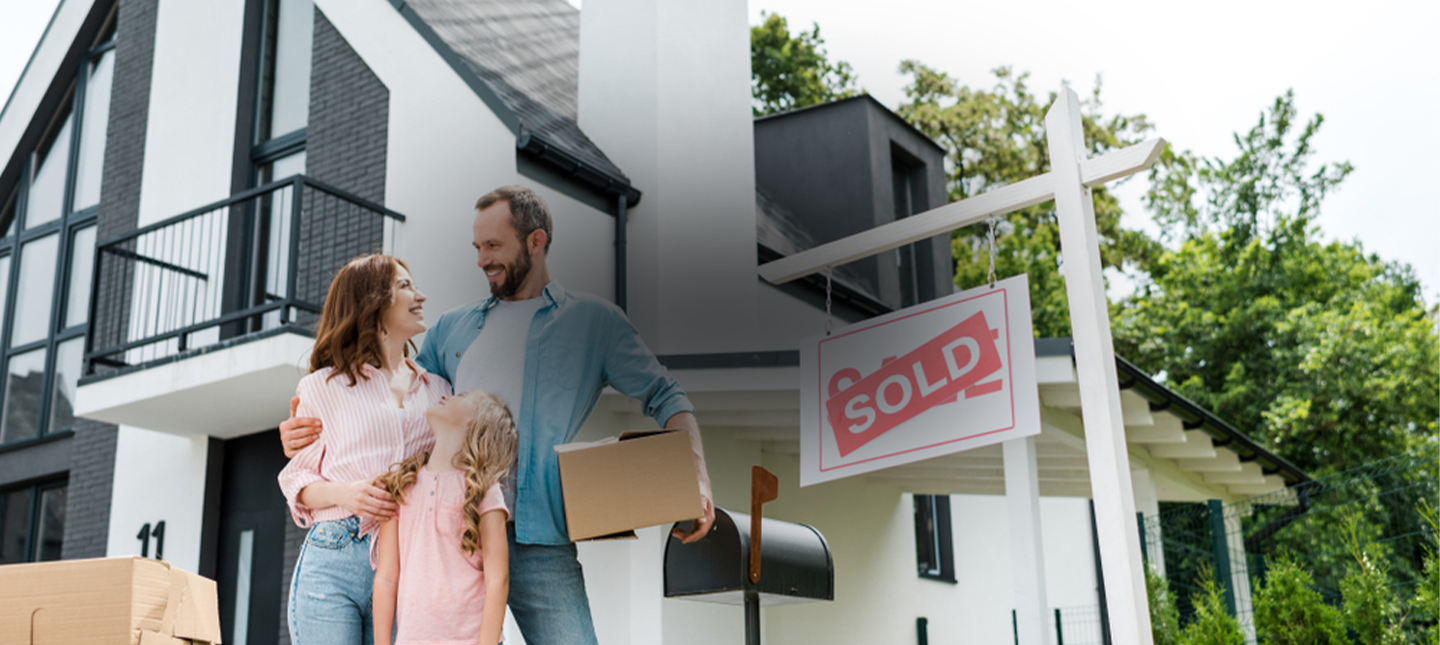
829	322
992	252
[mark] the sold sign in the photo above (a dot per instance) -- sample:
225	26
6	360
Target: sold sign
937	378
932	374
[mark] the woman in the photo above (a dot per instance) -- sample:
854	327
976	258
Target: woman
372	399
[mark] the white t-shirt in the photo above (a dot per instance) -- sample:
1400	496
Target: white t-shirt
495	362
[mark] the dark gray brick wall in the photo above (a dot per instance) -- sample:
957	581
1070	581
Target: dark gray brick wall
345	146
92	454
345	142
92	474
129	112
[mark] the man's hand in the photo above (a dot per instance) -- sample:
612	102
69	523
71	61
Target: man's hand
365	499
296	434
699	528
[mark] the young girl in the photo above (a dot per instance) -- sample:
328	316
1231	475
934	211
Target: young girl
443	571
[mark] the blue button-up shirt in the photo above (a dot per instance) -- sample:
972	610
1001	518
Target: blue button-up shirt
577	345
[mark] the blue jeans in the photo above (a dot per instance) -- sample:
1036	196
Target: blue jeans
330	592
547	594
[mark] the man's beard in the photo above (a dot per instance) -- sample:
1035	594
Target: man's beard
515	275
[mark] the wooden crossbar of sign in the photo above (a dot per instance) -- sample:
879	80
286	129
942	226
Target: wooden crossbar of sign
1032	191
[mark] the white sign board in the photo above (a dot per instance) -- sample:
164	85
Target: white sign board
941	377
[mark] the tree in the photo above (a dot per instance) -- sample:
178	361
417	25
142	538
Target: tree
1288	610
995	137
1325	354
1164	617
1371	610
1211	624
788	72
1427	594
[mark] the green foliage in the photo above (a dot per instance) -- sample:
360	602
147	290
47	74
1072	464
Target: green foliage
1427	594
1371	611
1325	354
1211	624
994	137
1164	618
1288	610
788	72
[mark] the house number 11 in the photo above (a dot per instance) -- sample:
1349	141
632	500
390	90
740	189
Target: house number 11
144	536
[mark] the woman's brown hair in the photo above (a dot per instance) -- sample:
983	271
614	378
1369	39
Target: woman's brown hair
487	457
348	335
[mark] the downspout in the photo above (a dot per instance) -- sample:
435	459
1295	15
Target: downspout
620	258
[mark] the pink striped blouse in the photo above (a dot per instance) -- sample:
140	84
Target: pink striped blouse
363	434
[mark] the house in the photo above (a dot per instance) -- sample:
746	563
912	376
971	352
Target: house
180	179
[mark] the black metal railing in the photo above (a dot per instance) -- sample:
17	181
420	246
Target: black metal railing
257	261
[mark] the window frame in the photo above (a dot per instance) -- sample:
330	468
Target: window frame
36	490
66	227
937	532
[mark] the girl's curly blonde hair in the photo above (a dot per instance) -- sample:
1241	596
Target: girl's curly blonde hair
487	458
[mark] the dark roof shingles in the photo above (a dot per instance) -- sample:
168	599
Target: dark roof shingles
528	52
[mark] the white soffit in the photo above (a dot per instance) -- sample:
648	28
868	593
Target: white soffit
43	66
225	393
762	405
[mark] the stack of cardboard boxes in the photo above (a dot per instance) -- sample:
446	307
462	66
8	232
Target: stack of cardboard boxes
119	601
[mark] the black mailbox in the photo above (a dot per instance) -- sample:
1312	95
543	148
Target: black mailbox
795	563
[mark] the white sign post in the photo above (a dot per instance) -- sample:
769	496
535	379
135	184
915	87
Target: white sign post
949	375
1068	183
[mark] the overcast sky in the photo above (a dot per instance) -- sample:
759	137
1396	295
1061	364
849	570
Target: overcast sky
1200	71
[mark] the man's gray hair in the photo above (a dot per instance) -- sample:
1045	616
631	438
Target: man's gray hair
528	211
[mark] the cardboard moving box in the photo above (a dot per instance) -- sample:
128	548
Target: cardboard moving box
638	479
105	601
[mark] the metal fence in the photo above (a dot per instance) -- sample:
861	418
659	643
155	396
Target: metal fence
1073	626
1377	506
259	260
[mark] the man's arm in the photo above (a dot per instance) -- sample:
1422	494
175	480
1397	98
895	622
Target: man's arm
633	370
686	421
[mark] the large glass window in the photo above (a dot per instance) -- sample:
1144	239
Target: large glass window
32	523
24	385
82	270
46	197
35	291
282	111
88	168
285	68
47	257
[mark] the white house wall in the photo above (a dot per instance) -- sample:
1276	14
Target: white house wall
785	319
664	91
158	477
446	148
189	137
194	92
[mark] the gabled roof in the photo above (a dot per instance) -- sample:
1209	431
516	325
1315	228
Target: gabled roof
522	57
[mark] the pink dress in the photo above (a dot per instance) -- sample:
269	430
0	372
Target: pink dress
442	590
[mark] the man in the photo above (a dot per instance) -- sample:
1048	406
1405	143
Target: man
548	352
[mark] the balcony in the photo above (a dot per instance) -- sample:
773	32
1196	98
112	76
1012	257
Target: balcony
201	324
